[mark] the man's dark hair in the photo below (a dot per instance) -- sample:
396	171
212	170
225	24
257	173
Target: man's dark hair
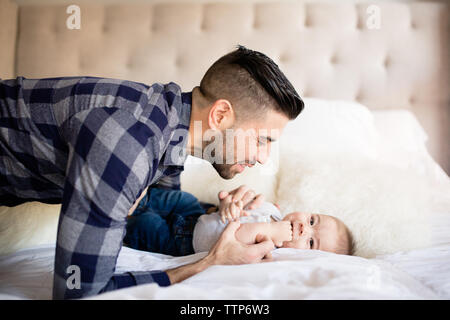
250	79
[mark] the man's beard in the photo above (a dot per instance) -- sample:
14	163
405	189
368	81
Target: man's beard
223	155
224	170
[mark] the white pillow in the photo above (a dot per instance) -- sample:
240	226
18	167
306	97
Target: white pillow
329	126
28	225
400	129
402	143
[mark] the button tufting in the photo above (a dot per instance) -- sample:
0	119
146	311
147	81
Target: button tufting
55	28
82	62
129	64
359	96
359	24
203	13
255	24
308	23
179	61
203	25
333	59
284	57
386	62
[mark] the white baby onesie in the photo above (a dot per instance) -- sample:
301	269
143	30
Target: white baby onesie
209	227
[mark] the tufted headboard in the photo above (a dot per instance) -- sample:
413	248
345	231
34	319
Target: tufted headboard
327	50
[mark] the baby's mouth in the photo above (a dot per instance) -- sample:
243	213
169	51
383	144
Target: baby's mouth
294	230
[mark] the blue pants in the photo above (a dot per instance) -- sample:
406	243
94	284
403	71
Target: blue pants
164	222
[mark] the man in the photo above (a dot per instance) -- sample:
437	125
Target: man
95	145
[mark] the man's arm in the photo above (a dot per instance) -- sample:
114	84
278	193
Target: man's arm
227	250
108	169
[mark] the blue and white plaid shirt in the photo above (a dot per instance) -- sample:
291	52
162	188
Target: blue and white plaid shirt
93	145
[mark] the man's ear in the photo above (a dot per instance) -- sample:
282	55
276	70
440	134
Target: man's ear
221	115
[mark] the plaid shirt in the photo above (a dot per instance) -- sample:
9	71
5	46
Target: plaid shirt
94	145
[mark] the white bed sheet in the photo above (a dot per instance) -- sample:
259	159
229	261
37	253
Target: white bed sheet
295	274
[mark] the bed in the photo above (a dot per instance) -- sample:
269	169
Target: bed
371	146
417	267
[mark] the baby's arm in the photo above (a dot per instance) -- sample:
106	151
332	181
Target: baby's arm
250	233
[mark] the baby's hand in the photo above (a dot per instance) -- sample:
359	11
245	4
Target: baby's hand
280	231
231	210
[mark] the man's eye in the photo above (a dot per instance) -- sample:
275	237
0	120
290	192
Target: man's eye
311	221
311	243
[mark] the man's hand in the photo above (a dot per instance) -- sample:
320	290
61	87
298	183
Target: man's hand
227	250
280	231
234	204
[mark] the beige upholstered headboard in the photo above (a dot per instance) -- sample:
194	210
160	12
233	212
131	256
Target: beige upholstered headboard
326	49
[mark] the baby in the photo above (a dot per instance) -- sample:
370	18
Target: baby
175	223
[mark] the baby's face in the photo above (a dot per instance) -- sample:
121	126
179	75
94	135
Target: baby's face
313	231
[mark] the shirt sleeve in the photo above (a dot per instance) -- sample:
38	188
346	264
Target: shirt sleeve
171	181
111	161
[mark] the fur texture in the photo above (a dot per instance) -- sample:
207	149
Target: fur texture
386	208
202	180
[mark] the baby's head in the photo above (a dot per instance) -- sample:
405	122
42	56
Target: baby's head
320	232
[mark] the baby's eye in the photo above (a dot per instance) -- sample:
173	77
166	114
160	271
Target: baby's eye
311	243
311	221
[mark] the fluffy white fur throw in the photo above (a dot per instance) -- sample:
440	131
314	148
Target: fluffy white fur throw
387	209
202	180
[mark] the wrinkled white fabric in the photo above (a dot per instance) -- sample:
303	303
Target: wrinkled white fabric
294	274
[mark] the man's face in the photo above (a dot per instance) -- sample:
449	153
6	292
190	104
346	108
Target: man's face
249	142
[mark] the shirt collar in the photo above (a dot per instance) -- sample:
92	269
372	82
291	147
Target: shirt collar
185	110
176	152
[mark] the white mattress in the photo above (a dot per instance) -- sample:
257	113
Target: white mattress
295	274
